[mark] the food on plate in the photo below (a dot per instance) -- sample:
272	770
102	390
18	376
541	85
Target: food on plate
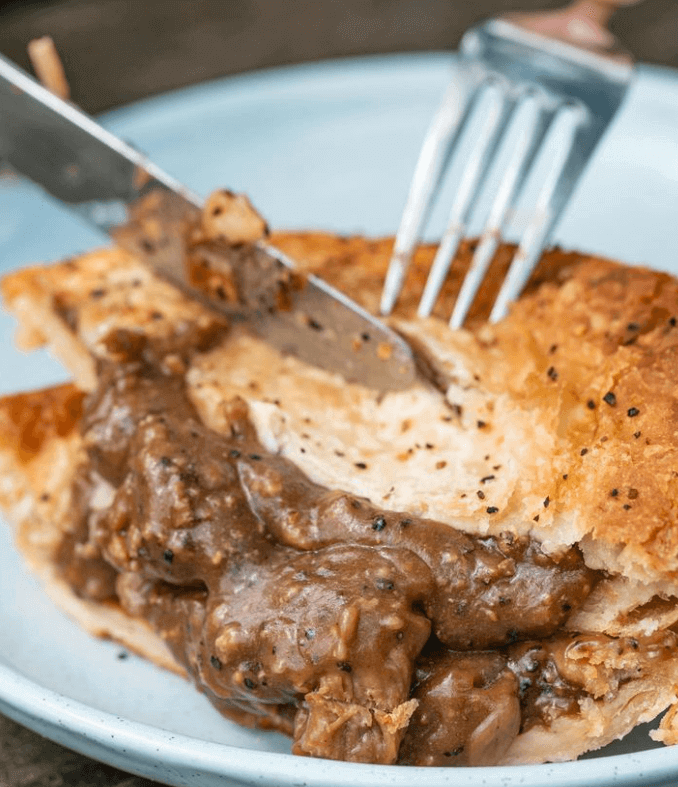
481	569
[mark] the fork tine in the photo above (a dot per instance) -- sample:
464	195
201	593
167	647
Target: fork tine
569	161
475	171
440	139
535	127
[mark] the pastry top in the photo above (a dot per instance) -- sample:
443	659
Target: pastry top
558	422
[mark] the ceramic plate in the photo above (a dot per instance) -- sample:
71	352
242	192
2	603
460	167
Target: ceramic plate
325	146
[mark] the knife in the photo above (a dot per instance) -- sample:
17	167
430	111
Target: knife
106	180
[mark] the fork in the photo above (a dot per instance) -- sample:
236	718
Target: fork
555	80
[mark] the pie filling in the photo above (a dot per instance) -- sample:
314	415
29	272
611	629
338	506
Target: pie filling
368	635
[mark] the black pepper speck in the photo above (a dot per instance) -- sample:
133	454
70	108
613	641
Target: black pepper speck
379	523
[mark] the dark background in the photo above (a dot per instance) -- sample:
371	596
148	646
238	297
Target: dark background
117	51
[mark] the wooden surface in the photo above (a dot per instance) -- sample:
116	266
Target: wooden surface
116	51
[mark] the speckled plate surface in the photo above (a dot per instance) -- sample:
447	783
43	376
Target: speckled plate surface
326	146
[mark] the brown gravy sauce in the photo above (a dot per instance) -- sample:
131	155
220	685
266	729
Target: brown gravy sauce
307	610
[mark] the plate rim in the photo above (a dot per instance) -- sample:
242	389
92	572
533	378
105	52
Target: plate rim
114	739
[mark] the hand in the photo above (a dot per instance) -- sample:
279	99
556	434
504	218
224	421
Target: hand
583	22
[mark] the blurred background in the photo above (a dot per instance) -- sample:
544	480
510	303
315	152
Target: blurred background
117	51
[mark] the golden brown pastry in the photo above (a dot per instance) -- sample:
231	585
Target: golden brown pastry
481	569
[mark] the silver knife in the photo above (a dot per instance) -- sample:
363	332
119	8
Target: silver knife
104	179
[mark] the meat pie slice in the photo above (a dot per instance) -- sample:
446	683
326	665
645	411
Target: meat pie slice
481	569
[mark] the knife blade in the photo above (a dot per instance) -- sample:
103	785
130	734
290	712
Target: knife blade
106	181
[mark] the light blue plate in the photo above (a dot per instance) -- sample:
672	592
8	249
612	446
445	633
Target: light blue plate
326	146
